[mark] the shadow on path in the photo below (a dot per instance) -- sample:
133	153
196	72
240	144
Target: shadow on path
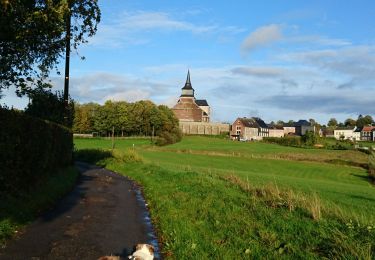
105	214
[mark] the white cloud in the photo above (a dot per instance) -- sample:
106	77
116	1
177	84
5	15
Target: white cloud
130	95
262	36
128	28
259	71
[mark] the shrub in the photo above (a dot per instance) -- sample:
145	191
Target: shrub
310	138
165	137
287	140
31	149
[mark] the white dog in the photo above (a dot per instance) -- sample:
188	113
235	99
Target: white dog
143	252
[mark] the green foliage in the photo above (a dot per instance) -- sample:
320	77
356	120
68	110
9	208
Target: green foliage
364	120
33	36
31	149
350	122
287	140
252	200
332	123
139	118
310	138
15	212
49	106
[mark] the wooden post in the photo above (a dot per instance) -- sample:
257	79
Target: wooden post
67	61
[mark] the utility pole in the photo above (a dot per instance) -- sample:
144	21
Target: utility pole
67	62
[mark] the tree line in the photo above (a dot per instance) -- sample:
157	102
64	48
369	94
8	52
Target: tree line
142	118
350	122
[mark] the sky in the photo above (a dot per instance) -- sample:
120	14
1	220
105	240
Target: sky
275	59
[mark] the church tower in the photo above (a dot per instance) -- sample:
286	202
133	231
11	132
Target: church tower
189	109
187	90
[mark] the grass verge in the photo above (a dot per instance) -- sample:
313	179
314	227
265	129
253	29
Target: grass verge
203	215
16	212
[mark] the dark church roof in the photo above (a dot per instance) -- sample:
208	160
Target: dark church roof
201	102
188	83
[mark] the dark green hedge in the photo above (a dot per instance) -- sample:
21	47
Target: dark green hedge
287	140
30	150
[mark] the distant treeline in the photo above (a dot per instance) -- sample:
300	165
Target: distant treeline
126	119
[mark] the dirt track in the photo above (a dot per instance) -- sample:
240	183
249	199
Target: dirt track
103	215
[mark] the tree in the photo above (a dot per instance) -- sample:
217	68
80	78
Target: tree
49	106
312	122
364	120
280	123
332	123
350	122
32	37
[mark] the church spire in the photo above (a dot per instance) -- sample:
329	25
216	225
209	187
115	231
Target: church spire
187	90
188	78
188	82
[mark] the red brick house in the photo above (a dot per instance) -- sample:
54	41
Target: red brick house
249	129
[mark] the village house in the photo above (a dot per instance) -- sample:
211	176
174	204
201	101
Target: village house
276	131
342	133
249	129
303	126
367	133
289	130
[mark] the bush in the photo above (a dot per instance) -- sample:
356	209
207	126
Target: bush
287	140
165	137
31	149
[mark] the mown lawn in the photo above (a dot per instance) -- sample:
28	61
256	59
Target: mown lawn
218	199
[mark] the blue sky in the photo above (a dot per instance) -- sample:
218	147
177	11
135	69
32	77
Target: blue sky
273	59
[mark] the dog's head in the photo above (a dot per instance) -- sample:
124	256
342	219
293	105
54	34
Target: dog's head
143	252
147	247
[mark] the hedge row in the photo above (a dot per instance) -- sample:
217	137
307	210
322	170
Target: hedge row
287	140
30	150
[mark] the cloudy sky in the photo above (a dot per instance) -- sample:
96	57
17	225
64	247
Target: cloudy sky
274	59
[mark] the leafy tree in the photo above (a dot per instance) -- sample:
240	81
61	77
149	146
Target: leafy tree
364	120
280	123
49	106
33	37
310	138
332	123
312	121
350	122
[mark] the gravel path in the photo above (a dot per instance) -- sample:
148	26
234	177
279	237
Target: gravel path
105	214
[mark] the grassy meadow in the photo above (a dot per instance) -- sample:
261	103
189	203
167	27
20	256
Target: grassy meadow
212	198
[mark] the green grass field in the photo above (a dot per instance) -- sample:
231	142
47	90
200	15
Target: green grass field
219	199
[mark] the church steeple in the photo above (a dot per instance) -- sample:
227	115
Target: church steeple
187	90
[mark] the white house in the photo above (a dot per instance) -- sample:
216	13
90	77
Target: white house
345	134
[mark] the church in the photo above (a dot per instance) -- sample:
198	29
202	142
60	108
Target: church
189	109
194	114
